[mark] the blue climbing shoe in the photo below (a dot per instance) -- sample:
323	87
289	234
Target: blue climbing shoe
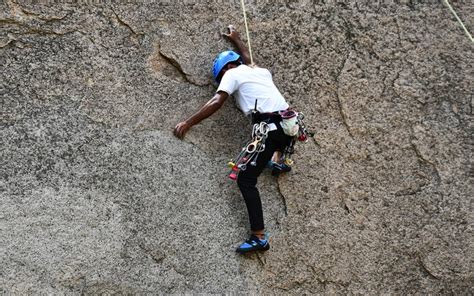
278	168
270	164
253	244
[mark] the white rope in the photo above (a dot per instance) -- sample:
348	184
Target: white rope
459	20
247	31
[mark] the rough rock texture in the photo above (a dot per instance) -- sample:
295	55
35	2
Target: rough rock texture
98	196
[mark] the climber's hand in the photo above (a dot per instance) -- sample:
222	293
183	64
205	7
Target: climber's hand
181	129
234	37
232	33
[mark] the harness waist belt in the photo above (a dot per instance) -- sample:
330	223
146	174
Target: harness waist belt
272	127
267	117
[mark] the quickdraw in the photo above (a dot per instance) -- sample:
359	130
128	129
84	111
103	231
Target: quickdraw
303	133
249	153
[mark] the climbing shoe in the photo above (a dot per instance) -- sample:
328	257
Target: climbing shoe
270	164
253	244
278	168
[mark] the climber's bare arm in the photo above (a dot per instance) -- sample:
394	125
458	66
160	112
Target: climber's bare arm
234	37
207	110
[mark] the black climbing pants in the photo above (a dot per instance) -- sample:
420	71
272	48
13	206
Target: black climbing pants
247	180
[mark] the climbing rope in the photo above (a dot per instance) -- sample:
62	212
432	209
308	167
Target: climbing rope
459	20
247	31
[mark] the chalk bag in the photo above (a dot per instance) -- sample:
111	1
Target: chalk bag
289	122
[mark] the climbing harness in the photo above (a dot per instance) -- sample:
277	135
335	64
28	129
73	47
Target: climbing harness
249	153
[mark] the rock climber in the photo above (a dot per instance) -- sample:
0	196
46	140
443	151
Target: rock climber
247	83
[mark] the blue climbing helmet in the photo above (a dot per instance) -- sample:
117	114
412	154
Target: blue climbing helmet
222	60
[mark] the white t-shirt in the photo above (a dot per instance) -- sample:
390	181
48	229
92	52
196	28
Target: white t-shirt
247	84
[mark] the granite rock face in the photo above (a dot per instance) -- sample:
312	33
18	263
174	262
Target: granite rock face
98	196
